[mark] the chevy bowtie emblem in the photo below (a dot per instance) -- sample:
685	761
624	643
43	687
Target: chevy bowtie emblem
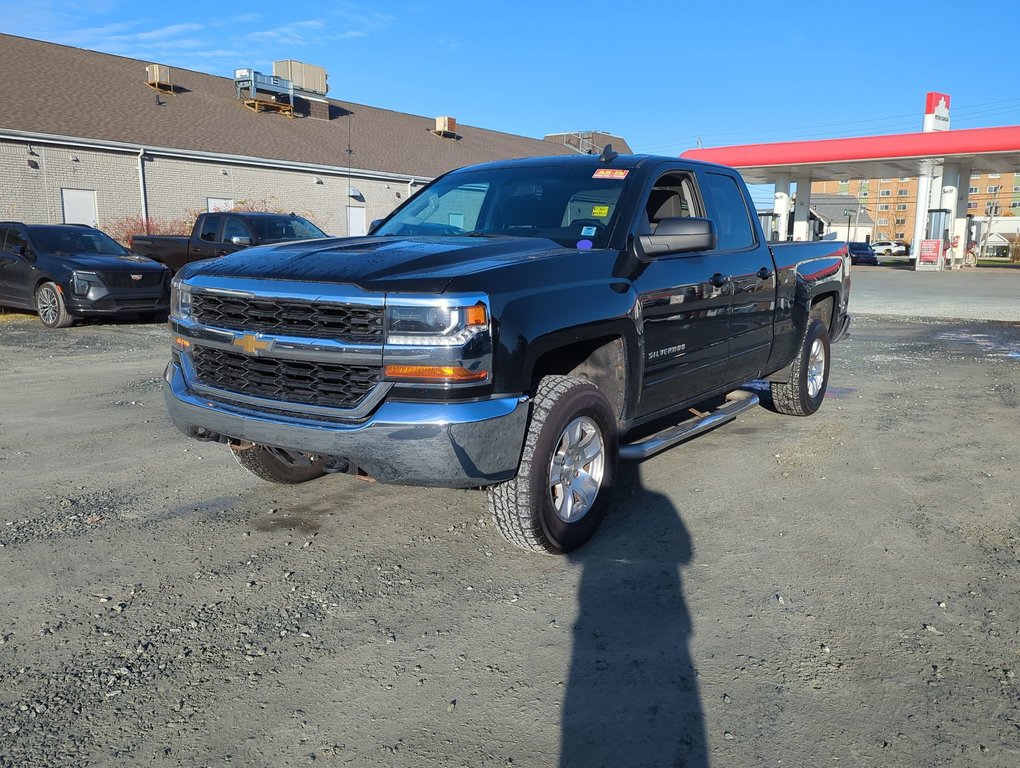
136	278
251	344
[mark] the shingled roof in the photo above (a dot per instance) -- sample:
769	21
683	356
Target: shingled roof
71	92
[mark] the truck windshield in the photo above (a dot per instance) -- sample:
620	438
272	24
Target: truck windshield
269	228
59	240
573	206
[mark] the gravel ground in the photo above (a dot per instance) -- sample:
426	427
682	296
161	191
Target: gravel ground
837	590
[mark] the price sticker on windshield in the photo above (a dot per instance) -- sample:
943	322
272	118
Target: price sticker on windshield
600	211
610	173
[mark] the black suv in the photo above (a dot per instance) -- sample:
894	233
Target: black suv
64	271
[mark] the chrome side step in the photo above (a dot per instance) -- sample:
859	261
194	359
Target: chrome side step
736	403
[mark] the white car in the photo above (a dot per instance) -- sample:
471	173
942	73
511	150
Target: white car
889	248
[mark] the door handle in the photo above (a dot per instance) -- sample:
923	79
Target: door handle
719	279
764	273
221	253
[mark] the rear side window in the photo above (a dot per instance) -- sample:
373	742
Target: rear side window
731	216
12	240
210	228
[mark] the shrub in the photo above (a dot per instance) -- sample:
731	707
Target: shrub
123	228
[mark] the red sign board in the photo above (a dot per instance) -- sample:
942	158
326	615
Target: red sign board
931	251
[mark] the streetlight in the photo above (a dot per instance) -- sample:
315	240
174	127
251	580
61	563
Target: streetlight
849	218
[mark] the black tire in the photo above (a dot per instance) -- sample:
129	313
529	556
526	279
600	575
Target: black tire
49	305
809	377
572	428
278	466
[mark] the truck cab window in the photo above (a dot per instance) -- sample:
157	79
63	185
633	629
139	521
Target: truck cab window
234	228
671	197
210	228
731	213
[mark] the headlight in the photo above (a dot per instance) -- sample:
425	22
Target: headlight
180	299
435	325
82	281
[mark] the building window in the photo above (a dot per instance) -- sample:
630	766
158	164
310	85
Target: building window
844	181
885	193
975	175
883	206
994	175
886	179
902	192
971	204
862	193
904	178
993	189
901	206
900	235
900	221
1016	188
972	191
1015	204
883	222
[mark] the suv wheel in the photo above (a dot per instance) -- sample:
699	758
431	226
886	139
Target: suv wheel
562	488
49	305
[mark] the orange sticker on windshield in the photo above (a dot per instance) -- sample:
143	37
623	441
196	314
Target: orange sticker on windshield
610	173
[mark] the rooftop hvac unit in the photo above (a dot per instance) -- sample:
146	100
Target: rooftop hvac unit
157	75
446	125
306	77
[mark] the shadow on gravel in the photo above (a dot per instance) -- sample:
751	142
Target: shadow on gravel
632	695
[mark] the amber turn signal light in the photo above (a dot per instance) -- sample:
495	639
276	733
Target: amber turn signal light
437	373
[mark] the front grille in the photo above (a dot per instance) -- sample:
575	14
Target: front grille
124	279
289	381
355	323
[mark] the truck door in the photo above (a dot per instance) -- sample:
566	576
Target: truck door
685	301
206	238
747	261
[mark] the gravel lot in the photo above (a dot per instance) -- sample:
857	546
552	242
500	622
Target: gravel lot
837	590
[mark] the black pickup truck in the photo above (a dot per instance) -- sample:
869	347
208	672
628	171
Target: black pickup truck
217	234
518	325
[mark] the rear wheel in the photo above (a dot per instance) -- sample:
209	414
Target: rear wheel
279	466
562	488
49	305
809	375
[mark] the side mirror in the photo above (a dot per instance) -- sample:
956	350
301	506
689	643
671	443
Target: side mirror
678	235
241	240
374	225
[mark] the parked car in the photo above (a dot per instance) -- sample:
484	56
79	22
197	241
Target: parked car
66	271
889	248
217	234
862	253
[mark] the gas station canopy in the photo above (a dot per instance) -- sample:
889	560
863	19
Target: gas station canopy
982	150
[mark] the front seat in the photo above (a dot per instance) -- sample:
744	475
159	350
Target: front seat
663	204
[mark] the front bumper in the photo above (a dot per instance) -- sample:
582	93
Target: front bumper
452	445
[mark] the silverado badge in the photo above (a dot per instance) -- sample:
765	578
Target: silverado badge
251	344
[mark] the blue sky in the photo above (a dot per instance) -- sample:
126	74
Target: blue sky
662	75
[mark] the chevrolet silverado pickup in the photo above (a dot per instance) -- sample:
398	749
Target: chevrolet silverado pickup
221	233
518	326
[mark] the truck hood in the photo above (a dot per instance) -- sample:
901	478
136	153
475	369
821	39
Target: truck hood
95	262
417	264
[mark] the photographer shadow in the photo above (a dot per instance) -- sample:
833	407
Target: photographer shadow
632	697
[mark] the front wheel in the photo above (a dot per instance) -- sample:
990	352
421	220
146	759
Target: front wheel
49	305
809	376
562	488
277	465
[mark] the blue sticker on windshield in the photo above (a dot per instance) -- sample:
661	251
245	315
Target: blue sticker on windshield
584	245
588	231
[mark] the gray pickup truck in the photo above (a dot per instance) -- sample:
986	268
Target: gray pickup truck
217	234
520	326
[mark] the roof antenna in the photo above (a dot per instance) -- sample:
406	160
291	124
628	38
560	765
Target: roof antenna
608	155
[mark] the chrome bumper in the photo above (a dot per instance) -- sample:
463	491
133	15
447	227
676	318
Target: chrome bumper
452	445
